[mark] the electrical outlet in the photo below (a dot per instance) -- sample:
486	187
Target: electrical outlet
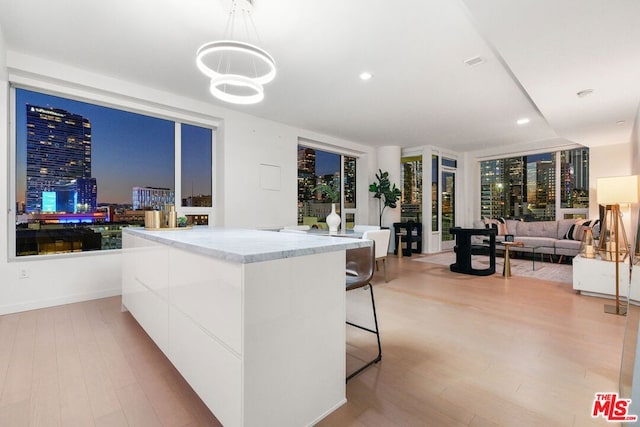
23	273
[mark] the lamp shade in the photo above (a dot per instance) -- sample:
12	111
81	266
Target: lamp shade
618	189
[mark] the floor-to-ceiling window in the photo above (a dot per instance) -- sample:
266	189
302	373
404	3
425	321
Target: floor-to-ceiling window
527	186
318	168
83	171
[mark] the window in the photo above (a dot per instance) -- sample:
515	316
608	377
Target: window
411	185
317	167
574	173
526	186
84	171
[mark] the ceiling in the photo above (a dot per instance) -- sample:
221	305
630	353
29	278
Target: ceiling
538	55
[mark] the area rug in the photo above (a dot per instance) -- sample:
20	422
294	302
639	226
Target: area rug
519	267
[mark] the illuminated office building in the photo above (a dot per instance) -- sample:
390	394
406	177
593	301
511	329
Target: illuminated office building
59	162
545	188
574	173
306	173
146	198
349	177
411	185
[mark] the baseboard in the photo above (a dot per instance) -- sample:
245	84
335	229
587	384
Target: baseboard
52	302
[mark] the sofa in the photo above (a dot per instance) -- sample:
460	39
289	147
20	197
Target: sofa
561	237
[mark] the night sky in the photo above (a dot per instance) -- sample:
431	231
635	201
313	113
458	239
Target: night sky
327	163
128	149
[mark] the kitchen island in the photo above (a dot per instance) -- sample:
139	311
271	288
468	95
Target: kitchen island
253	320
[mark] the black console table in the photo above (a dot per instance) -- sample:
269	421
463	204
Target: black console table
464	249
409	233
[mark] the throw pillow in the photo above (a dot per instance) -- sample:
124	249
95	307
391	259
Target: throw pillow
499	224
576	231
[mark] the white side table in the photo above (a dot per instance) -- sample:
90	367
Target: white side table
593	276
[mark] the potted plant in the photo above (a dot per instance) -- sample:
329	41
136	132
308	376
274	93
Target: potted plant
387	194
333	194
331	191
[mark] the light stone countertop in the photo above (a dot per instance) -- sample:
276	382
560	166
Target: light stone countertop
246	246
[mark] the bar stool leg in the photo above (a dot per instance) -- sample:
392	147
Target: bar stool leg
376	331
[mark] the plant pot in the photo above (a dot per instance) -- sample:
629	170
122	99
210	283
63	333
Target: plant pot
333	220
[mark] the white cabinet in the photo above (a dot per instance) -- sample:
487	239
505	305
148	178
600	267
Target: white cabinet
262	343
208	366
145	286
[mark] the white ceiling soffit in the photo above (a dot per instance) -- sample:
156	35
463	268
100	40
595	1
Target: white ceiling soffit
422	91
559	48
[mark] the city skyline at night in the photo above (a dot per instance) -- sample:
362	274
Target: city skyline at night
128	150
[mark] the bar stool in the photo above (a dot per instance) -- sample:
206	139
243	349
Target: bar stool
360	269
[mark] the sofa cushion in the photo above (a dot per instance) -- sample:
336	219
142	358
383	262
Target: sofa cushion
537	241
576	231
537	229
563	227
512	225
568	244
567	247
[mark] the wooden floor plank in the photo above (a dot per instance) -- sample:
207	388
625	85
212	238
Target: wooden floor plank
458	350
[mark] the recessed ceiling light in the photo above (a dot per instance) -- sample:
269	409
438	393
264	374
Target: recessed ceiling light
476	60
366	75
620	122
584	92
523	121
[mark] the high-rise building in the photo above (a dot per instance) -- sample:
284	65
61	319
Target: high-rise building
152	198
306	173
87	195
492	188
545	188
574	170
306	160
411	187
349	177
515	180
58	161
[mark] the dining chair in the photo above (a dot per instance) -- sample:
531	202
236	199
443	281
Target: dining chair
359	271
362	228
381	239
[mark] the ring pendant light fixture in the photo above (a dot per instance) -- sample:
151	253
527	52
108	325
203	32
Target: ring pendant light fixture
237	69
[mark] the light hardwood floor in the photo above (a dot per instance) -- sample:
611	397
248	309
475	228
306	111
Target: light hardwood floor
457	351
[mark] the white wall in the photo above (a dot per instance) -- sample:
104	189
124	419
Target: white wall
251	142
635	144
3	57
244	143
606	160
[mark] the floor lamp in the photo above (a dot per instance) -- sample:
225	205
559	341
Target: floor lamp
613	244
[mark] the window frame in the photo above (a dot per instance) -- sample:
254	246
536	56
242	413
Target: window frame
114	101
560	212
342	152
